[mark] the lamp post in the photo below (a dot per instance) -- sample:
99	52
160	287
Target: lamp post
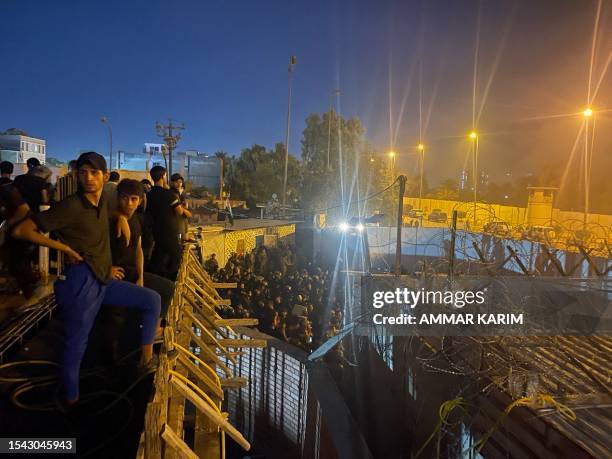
474	137
421	149
104	120
292	62
587	114
392	157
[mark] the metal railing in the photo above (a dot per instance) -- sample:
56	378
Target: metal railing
191	369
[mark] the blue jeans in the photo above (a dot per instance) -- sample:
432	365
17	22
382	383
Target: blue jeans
80	297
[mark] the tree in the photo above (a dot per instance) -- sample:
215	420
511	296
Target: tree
332	149
258	173
49	160
448	189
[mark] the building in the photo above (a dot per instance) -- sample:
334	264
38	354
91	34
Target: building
198	168
17	147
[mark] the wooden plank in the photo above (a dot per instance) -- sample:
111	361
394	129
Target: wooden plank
243	342
210	412
237	322
177	443
152	431
210	337
234	383
209	352
210	384
224	285
176	409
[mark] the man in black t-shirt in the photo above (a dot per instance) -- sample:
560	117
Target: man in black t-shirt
34	187
128	254
6	170
164	209
81	224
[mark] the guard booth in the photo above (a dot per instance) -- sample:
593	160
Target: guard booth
540	205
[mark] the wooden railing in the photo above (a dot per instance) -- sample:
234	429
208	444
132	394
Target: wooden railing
191	368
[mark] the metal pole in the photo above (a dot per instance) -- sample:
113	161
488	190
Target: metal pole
421	183
451	258
475	173
170	150
292	62
110	133
398	239
221	178
586	175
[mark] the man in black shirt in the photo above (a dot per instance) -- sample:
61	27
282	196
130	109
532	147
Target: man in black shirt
34	187
128	254
164	209
81	224
6	169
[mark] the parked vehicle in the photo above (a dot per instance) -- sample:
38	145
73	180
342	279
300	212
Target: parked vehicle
438	216
415	213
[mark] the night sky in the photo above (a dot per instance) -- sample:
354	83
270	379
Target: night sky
221	68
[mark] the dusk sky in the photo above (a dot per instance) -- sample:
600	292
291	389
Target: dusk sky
220	67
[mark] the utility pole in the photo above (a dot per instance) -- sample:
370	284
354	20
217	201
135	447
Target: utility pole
292	62
104	120
171	138
329	120
400	212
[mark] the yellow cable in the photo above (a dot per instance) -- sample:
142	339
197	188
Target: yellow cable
443	413
541	400
204	364
197	389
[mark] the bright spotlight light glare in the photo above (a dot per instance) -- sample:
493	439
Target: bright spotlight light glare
473	135
392	154
588	112
421	147
343	227
359	227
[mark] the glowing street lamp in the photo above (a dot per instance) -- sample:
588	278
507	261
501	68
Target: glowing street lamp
421	149
588	114
474	137
392	157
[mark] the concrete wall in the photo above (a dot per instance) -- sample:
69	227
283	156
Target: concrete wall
223	243
514	216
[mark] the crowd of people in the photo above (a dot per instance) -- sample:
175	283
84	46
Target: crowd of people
294	304
121	241
121	245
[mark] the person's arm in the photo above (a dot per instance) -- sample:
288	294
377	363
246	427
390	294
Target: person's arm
44	197
123	227
140	263
20	213
27	230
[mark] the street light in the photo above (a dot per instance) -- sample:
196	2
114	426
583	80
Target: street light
392	156
292	62
587	114
421	149
104	120
474	137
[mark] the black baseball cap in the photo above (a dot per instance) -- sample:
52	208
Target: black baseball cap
92	158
